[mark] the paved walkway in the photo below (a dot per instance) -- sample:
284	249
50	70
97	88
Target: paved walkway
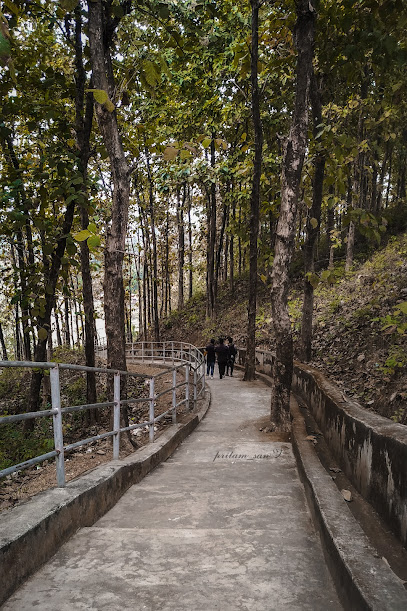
222	525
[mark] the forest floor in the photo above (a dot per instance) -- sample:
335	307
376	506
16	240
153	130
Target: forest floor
360	332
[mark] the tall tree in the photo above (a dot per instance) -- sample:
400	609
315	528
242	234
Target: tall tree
294	153
250	364
102	26
313	223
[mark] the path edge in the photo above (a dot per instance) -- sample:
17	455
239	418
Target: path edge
363	579
32	532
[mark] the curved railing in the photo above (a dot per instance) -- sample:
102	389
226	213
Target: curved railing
174	357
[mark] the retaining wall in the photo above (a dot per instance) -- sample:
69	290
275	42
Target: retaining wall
371	450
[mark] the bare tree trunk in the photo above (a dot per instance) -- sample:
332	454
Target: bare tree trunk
67	330
155	317
211	241
389	177
378	203
167	264
232	254
293	160
312	227
18	349
220	245
101	30
83	128
250	364
181	245
57	327
240	239
3	344
190	246
350	244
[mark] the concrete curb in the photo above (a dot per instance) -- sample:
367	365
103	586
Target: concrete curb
363	579
31	533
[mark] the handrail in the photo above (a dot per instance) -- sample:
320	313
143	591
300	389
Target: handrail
187	357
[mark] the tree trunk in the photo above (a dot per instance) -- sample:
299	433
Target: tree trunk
67	331
44	321
211	240
83	127
57	327
312	226
181	245
3	344
155	317
293	160
231	253
190	245
220	245
101	30
250	364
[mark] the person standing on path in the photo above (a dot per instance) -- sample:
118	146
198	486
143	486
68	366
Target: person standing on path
210	358
231	357
222	353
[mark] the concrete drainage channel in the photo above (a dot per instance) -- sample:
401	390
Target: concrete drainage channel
31	533
362	577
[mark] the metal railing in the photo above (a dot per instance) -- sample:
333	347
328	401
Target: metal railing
189	359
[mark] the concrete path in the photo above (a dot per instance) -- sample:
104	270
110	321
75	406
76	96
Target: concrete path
222	525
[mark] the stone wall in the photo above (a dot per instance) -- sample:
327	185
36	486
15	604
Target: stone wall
371	450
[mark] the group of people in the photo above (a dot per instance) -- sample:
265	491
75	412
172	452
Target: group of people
224	354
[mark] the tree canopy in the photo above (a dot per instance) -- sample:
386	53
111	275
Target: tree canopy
127	149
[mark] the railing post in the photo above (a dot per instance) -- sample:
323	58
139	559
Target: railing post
57	424
151	416
187	386
116	416
172	348
174	396
142	352
152	352
195	393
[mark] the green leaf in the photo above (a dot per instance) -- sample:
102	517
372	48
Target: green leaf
150	72
4	49
313	279
82	235
92	228
12	7
42	334
109	105
206	142
48	249
170	152
68	5
94	241
163	11
402	307
100	95
117	11
314	223
71	248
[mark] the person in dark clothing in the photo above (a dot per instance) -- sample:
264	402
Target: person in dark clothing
231	357
210	357
222	352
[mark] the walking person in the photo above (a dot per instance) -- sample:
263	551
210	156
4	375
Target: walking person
222	352
231	357
210	358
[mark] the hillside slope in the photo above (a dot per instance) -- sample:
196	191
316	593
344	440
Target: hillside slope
360	327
